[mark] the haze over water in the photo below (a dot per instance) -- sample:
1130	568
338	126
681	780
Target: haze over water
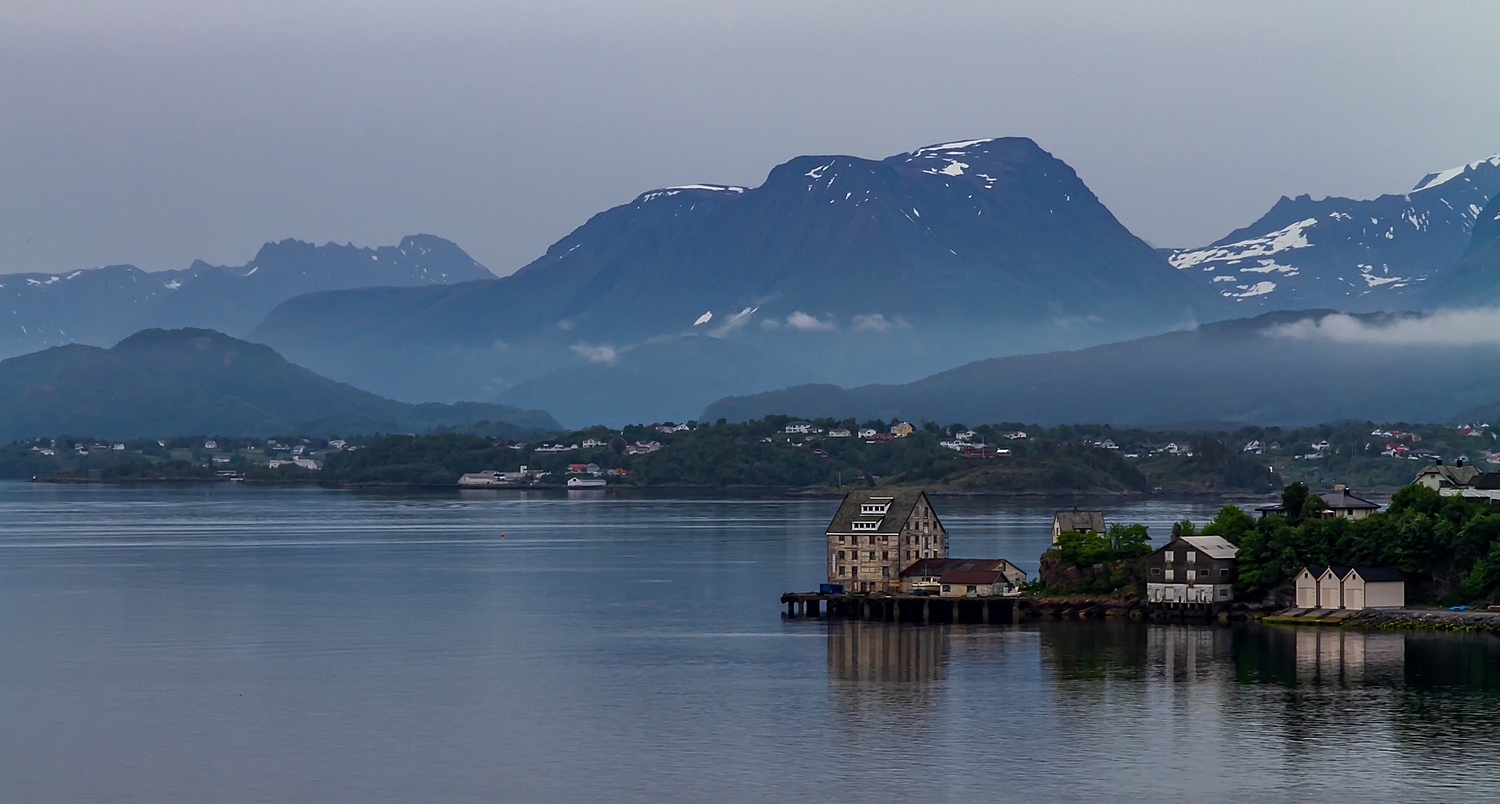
220	643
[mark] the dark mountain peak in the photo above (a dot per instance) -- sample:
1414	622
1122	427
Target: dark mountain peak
432	247
1355	254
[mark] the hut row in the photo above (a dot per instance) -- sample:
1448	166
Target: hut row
1337	587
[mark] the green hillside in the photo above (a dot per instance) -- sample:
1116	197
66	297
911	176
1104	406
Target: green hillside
162	382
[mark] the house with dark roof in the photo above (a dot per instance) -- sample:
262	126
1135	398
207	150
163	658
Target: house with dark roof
1374	588
1341	587
1343	505
1081	521
962	577
1439	477
875	535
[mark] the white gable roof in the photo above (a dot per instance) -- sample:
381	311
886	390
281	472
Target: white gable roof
1213	546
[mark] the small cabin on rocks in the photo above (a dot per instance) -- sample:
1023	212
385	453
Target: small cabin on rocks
1191	569
1081	521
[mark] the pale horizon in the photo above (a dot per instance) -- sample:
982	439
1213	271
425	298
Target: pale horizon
177	131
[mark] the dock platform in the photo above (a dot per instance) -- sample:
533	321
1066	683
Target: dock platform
926	609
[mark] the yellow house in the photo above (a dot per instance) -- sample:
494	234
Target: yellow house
900	429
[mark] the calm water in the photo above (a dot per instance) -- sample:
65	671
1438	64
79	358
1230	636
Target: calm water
247	645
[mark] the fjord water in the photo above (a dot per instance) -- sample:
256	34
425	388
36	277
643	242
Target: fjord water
219	643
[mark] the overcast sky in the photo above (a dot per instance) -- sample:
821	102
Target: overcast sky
159	131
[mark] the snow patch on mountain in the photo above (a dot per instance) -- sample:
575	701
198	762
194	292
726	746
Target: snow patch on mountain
1443	177
1283	239
668	192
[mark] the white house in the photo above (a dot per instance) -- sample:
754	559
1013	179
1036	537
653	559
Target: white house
591	443
210	444
839	432
798	427
866	432
1355	588
1307	587
1374	588
586	482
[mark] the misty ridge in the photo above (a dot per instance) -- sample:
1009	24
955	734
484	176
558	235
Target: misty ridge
976	280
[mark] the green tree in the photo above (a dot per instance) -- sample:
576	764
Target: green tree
1231	523
1292	498
1129	541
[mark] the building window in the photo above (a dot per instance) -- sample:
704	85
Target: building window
1223	593
885	555
885	571
854	571
872	540
1167	556
841	554
1169	573
947	588
973	588
1192	556
843	570
872	555
1223	573
1154	570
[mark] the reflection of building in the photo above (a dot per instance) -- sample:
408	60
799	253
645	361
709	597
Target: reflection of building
1338	654
884	678
1189	652
860	650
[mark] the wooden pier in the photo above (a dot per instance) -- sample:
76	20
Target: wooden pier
926	609
932	610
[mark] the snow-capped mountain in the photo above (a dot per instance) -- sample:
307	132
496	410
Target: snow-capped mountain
855	267
1348	254
100	306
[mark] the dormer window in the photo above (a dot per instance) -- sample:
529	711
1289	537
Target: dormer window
867	524
876	507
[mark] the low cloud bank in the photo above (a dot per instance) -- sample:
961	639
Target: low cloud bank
1442	328
600	353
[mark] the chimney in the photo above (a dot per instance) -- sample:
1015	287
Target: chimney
1459	462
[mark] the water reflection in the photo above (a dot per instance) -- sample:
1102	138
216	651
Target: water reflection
884	674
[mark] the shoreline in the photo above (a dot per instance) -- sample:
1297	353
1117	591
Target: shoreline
782	491
1394	619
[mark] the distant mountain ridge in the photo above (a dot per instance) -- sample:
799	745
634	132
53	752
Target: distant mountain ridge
101	305
837	266
1280	368
195	381
1385	253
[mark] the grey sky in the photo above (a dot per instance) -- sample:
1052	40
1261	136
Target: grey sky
180	129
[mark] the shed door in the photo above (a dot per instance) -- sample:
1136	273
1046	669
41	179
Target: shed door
1307	597
1354	598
